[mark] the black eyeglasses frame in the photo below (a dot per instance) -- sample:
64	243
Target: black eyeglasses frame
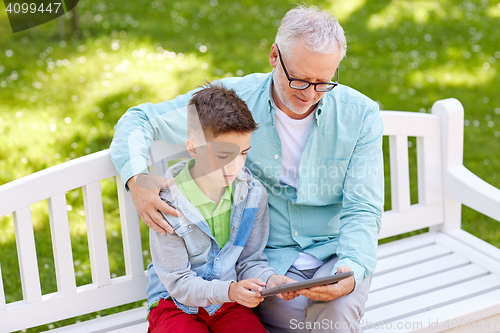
330	85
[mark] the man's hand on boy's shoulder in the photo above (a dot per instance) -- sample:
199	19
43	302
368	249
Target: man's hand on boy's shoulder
276	280
246	292
145	191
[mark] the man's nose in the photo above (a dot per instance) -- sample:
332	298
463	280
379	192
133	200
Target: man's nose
309	92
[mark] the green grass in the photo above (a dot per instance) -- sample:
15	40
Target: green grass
60	98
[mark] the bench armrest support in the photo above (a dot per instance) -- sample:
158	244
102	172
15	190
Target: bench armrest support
464	186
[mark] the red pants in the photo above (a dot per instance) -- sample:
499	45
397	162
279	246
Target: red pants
230	318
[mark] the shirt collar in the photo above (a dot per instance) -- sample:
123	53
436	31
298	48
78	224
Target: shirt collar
193	193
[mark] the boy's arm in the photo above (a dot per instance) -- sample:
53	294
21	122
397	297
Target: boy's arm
170	260
253	263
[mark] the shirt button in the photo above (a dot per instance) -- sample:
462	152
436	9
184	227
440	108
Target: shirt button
190	226
276	157
217	258
241	198
296	233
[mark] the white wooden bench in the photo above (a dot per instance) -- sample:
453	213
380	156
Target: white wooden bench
426	283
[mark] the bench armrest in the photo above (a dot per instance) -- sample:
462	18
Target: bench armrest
464	186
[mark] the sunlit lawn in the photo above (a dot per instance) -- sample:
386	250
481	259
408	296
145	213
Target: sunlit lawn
60	98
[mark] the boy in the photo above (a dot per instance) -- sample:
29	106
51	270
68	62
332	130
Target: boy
222	231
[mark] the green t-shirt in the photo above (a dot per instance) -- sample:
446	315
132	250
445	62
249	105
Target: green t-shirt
217	216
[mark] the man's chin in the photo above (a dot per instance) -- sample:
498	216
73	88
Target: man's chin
299	111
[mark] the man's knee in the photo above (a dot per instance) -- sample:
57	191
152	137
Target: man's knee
342	309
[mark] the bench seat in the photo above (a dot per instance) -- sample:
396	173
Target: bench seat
432	282
130	321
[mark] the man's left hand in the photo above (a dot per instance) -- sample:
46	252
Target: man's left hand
331	291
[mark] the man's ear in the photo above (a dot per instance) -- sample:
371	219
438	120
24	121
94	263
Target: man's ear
191	148
273	56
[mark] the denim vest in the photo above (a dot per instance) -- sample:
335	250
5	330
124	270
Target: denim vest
206	259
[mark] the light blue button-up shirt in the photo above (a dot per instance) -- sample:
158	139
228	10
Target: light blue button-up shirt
337	207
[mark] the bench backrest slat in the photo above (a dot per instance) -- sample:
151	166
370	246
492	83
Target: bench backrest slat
430	187
96	233
131	233
61	244
28	264
400	173
3	304
410	123
418	217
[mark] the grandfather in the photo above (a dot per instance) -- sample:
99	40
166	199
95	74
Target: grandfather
318	151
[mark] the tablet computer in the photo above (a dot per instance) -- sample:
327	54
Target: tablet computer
283	288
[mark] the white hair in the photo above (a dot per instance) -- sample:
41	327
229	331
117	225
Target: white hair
319	30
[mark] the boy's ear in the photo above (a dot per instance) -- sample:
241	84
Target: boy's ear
191	148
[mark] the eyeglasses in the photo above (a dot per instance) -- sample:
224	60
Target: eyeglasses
302	84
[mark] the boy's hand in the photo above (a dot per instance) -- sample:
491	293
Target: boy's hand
241	292
145	191
276	280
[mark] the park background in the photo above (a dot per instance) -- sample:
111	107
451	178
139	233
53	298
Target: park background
62	90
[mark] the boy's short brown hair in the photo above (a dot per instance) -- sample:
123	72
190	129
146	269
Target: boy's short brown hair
219	111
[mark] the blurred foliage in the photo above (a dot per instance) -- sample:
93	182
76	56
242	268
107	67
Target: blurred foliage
61	96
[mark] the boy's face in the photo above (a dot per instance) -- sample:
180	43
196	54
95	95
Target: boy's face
223	157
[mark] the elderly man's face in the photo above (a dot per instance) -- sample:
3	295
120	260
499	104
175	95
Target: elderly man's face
302	64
